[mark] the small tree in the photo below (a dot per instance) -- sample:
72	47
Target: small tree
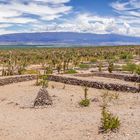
59	67
109	121
85	91
85	102
110	66
100	66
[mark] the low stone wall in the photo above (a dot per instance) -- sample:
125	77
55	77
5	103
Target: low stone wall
131	78
93	84
71	81
16	79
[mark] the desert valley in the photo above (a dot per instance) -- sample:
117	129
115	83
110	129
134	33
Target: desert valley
77	93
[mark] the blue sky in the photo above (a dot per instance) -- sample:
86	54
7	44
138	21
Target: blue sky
101	7
86	16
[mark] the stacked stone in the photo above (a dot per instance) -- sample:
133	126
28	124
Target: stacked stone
43	98
94	84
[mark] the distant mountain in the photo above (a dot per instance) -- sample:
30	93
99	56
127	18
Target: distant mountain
67	38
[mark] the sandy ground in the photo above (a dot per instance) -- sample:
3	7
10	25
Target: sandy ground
65	119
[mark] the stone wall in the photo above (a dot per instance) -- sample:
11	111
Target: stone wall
131	78
16	79
93	84
71	81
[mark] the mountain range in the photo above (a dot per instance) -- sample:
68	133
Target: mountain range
67	38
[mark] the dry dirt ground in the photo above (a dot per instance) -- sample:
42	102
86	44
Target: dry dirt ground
65	119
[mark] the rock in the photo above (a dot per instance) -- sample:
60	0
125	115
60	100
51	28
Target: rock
43	98
95	100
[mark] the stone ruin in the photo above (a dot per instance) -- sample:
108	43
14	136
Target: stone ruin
43	98
15	79
94	84
78	82
128	77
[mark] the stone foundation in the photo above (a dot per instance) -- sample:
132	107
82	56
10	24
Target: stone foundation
93	84
16	79
72	81
131	78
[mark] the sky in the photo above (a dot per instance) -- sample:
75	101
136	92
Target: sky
84	16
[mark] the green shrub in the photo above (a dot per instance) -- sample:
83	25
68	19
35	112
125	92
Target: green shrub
100	67
109	122
110	67
84	66
138	70
71	71
126	56
131	67
93	60
85	102
29	72
48	70
42	80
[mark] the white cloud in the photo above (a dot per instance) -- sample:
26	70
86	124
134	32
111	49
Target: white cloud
5	12
128	21
120	5
48	11
20	12
89	23
17	20
47	15
38	9
81	23
53	1
5	25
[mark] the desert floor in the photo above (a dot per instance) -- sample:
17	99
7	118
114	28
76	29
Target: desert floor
65	119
